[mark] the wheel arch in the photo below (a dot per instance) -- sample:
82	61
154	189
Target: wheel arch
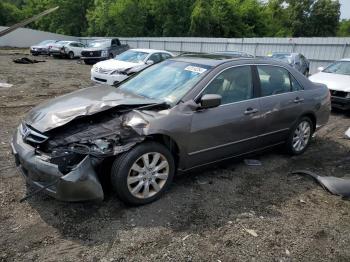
169	143
312	117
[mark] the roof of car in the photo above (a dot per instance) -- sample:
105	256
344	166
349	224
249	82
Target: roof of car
147	50
345	59
206	59
215	60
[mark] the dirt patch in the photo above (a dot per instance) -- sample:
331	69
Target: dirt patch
205	215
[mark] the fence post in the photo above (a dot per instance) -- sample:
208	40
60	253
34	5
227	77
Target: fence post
149	44
181	46
226	46
137	43
201	48
256	48
344	50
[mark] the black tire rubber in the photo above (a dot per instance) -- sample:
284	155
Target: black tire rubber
111	56
71	55
121	167
307	72
88	62
289	143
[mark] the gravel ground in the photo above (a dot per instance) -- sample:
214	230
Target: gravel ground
229	212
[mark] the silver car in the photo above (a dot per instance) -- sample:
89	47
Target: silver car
180	114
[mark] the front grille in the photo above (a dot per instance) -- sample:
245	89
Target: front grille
32	136
91	53
338	93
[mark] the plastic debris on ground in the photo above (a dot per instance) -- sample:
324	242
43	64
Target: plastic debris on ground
252	162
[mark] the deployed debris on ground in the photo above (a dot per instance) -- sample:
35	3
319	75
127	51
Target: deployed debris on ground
26	60
335	185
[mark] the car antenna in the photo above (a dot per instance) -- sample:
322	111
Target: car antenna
27	21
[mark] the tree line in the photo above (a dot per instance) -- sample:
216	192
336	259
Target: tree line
199	18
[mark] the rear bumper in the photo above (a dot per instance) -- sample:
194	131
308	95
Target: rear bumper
340	103
39	52
80	184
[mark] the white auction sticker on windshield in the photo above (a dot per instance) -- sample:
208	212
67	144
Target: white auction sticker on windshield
196	69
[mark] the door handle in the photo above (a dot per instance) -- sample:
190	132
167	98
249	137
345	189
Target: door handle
250	111
298	100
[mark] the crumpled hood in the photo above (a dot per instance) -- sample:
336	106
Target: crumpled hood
113	64
333	81
61	110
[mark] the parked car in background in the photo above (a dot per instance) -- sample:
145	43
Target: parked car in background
117	69
70	49
177	115
234	54
295	60
337	78
102	49
42	48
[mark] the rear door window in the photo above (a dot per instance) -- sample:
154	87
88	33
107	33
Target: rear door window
273	80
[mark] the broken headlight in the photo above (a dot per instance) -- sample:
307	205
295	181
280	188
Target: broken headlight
135	121
97	147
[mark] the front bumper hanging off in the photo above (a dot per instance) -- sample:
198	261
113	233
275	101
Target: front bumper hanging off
80	184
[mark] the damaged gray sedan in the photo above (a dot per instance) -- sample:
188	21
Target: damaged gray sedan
180	114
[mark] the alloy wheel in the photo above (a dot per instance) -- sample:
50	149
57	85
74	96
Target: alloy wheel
148	175
301	136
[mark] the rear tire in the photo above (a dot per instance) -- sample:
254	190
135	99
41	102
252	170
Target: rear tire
71	55
307	72
141	175
300	136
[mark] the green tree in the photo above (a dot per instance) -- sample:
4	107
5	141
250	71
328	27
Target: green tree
324	18
69	19
275	18
344	28
9	14
201	19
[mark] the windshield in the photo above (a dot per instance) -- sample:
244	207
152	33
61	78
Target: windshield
285	57
46	42
132	56
340	67
104	43
168	81
62	42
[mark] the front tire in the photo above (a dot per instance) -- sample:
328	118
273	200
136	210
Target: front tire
141	175
300	136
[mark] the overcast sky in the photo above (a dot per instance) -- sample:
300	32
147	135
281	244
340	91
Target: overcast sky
345	9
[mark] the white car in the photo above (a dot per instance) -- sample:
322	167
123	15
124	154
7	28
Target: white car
70	49
117	69
337	78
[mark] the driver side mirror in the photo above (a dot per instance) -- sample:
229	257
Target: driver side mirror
210	101
149	62
321	68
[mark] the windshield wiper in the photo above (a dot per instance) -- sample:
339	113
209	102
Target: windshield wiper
148	106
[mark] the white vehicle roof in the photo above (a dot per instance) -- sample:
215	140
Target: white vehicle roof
150	51
345	59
